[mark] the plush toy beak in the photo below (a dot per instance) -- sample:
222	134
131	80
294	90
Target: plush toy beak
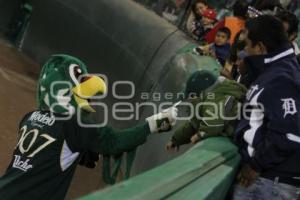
87	89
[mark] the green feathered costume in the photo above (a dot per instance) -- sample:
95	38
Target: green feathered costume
52	142
218	102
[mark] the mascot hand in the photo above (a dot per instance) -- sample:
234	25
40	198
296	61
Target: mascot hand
163	121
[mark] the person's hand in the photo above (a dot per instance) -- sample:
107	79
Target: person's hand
195	138
163	121
247	176
171	146
212	53
226	73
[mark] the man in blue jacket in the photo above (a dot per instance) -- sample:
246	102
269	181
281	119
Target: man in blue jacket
269	133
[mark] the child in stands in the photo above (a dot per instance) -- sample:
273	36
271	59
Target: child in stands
203	26
220	49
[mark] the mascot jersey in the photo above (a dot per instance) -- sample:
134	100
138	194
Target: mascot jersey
50	146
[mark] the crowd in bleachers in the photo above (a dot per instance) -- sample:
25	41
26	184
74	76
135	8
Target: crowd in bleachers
202	25
256	43
257	47
208	20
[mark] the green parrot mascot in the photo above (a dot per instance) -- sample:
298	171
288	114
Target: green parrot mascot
51	140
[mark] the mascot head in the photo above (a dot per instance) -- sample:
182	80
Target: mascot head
65	85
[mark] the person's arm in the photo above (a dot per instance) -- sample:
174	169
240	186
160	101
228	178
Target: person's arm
227	71
208	123
272	144
183	134
275	149
211	122
279	139
106	140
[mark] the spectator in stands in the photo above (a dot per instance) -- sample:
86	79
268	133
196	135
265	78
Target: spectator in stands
207	22
294	5
237	68
199	7
220	49
268	135
268	6
203	86
197	10
235	23
290	23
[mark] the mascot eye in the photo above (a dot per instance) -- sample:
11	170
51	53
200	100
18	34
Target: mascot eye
75	73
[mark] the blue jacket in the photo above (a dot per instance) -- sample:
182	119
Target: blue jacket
269	139
222	52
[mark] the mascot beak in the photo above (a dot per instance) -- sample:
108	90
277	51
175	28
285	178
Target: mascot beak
87	89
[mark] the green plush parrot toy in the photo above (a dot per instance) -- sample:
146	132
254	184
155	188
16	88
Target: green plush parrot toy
52	141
